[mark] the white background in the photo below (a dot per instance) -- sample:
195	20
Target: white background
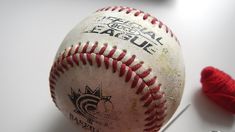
31	32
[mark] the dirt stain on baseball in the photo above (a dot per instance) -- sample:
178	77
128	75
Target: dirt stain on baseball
133	107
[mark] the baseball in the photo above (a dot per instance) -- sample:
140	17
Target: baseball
118	70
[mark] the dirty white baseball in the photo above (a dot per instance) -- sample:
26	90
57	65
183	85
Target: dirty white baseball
118	70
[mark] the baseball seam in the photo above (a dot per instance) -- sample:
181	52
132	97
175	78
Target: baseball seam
126	65
145	17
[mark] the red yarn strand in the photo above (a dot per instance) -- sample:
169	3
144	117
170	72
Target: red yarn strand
219	87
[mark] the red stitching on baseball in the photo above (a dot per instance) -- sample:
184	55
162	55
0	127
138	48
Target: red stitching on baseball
82	59
111	52
60	69
156	96
69	60
167	29
70	57
128	11
120	10
75	59
149	101
152	81
145	73
154	127
128	75
52	82
85	47
103	49
140	88
153	115
130	60
154	21
145	96
64	65
69	53
114	65
146	16
52	77
88	56
137	13
52	86
160	24
98	61
106	62
153	121
107	8
156	89
135	81
93	47
136	67
121	56
114	8
122	70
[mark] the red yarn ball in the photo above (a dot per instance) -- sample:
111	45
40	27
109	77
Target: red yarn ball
219	87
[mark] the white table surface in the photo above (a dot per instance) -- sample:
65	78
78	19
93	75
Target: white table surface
31	31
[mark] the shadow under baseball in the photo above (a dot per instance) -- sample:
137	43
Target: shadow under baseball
210	112
61	124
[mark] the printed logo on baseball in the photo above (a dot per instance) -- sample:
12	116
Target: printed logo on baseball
119	70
